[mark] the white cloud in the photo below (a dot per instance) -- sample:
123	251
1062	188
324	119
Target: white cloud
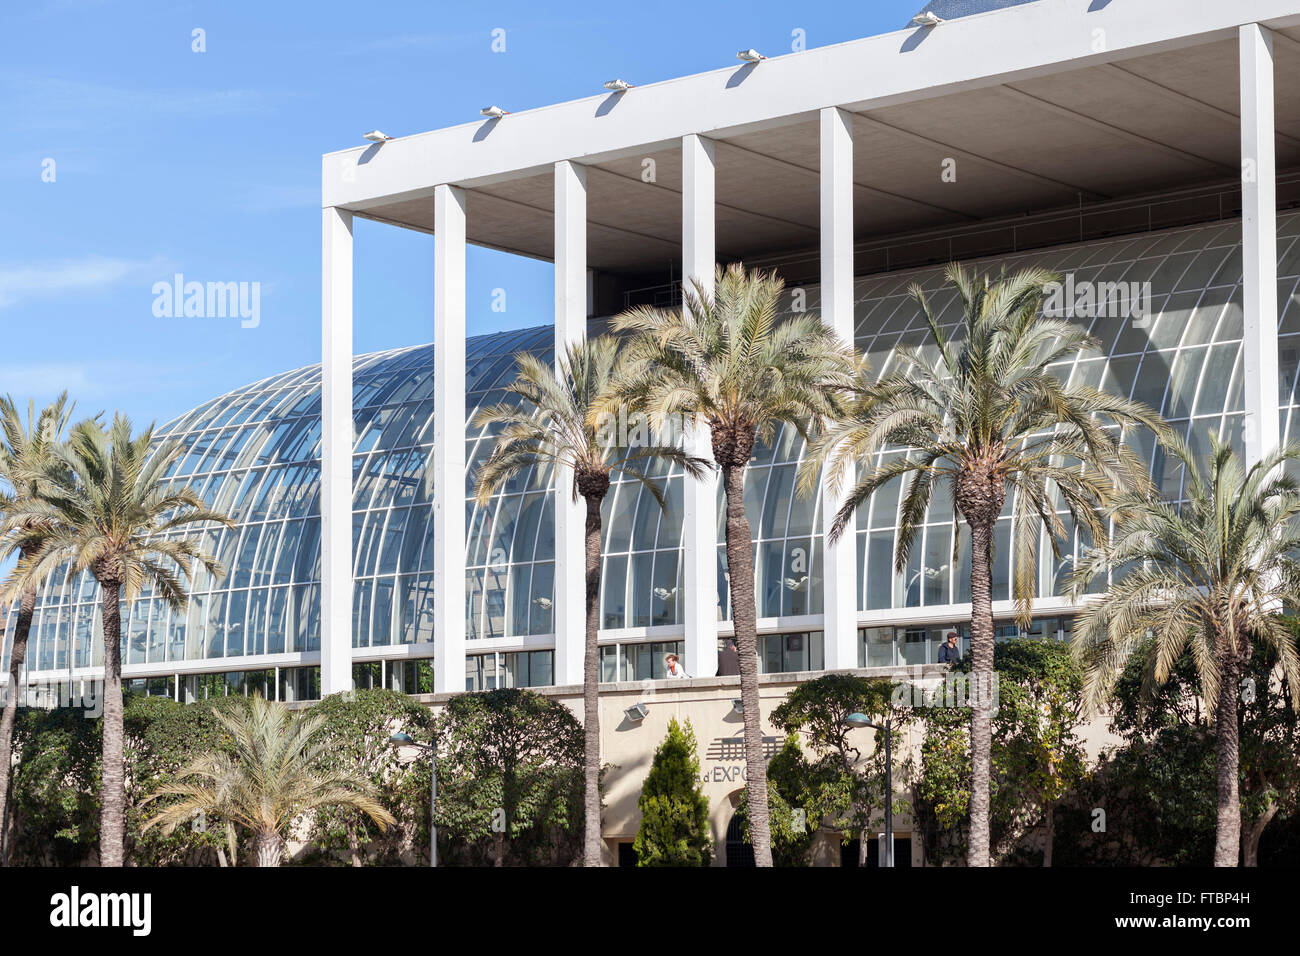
50	279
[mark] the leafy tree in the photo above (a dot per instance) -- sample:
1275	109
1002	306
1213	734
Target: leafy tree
1159	786
941	791
1040	686
25	451
790	791
561	419
674	828
1204	578
1037	758
1270	749
983	413
270	782
1155	789
57	785
356	730
729	361
510	779
792	786
55	788
162	738
1156	803
104	504
838	785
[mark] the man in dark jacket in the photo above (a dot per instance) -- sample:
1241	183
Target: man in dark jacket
728	658
949	652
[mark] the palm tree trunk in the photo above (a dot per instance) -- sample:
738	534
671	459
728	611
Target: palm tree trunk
270	848
354	845
981	725
1227	831
112	814
591	843
744	611
17	655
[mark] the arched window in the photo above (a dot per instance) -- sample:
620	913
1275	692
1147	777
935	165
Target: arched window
739	852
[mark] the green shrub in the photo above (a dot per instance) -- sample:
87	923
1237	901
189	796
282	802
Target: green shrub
674	811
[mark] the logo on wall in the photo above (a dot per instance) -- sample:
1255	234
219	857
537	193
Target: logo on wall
731	750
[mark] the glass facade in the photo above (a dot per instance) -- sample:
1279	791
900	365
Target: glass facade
255	454
919	644
1181	356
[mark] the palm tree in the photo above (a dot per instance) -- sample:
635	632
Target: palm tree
272	779
728	359
106	505
568	416
25	450
983	414
1209	577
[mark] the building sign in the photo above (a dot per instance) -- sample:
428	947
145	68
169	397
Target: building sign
728	756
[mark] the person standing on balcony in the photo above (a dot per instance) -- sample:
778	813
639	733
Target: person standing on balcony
949	652
673	667
729	658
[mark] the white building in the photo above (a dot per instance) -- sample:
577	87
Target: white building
1044	124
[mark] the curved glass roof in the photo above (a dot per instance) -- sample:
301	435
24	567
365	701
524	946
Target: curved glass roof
254	453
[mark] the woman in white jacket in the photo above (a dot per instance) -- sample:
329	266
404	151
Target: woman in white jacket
673	667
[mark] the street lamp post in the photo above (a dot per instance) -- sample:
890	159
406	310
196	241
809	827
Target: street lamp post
862	720
405	740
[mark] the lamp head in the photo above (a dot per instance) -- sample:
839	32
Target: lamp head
637	712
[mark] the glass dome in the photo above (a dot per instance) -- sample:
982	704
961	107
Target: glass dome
255	454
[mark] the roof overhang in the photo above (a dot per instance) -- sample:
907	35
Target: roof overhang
1039	106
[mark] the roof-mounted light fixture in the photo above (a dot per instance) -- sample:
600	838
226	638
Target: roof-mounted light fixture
618	86
375	136
927	18
750	56
493	112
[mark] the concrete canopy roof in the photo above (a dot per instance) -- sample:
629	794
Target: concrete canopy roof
1047	133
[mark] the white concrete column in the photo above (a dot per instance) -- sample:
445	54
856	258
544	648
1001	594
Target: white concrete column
569	616
336	452
1259	237
840	560
449	438
699	594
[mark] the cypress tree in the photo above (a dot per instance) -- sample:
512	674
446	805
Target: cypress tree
674	811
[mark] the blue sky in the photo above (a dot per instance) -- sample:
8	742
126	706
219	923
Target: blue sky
166	160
